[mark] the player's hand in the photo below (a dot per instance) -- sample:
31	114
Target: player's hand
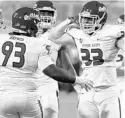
84	83
74	19
2	26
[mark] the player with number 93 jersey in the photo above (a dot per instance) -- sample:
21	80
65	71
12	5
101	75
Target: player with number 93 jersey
23	58
20	60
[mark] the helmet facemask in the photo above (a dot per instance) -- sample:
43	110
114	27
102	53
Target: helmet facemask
47	19
89	23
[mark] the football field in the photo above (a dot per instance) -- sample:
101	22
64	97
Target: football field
68	104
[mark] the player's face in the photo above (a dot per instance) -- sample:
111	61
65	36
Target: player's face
46	19
88	23
46	16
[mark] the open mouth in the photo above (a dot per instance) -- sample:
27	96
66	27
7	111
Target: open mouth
46	20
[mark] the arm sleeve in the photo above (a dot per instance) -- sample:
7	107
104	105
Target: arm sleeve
68	38
44	59
58	34
59	30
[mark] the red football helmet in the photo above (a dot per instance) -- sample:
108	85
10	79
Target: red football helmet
25	19
92	17
47	13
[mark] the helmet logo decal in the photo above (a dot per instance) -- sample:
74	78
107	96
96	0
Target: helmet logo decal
102	9
31	16
88	10
15	14
17	24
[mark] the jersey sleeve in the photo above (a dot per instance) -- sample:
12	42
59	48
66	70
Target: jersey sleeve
45	58
54	51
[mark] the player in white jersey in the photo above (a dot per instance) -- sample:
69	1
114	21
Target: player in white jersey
23	59
48	91
98	46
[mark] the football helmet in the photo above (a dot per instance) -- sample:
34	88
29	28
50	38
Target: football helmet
92	17
47	14
26	19
120	20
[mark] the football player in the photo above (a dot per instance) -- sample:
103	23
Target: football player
23	58
98	45
48	91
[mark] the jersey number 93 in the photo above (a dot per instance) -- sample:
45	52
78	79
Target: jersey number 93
8	48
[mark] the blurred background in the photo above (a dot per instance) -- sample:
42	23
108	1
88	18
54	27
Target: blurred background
68	98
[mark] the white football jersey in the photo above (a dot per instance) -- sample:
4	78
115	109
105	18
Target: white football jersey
98	54
22	58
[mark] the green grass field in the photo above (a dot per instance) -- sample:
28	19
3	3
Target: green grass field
68	104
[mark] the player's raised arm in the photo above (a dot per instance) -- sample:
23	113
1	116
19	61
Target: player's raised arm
58	34
59	30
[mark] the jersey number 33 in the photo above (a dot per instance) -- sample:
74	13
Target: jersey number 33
95	60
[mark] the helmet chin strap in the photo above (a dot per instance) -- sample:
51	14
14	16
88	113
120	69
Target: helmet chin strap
28	33
93	30
18	31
